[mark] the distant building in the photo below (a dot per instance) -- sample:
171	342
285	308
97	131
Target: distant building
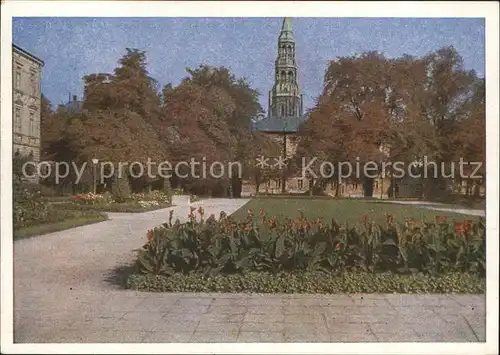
73	105
26	94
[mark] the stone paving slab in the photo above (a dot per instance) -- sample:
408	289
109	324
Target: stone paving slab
64	291
228	318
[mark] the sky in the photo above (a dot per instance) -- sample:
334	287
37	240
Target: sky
74	47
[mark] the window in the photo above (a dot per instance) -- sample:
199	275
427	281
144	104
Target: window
300	184
32	124
17	79
17	120
33	86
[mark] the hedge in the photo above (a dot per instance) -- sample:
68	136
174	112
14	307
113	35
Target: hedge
309	282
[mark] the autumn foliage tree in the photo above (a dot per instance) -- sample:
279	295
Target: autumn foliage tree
418	107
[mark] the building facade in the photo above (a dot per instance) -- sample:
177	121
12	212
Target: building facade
26	105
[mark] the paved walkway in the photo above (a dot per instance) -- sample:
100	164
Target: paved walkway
436	206
65	290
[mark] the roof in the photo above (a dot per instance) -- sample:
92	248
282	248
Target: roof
27	54
279	124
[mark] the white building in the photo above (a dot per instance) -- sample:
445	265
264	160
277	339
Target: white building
26	95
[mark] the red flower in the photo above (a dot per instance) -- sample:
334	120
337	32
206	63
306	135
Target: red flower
363	219
468	226
459	228
149	235
263	215
441	219
337	246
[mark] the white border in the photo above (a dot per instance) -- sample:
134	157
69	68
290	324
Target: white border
487	10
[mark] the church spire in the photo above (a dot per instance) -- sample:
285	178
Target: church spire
286	30
287	24
285	99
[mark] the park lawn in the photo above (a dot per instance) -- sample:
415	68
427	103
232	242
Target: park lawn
45	228
343	210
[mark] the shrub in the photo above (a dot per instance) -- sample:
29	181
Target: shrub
212	246
29	207
177	192
167	189
91	199
154	196
120	188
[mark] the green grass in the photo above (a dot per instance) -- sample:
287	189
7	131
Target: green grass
126	207
342	210
45	228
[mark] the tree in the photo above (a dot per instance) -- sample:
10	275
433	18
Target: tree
417	106
208	116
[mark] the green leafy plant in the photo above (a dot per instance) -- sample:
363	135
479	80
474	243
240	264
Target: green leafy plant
213	246
309	282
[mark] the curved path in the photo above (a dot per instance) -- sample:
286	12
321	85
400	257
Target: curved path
436	206
66	290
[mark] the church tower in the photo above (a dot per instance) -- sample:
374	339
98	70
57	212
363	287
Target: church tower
285	99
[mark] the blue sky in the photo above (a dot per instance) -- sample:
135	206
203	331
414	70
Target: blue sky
74	47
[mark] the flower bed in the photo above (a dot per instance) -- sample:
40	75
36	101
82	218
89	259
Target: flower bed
91	199
214	246
33	215
105	202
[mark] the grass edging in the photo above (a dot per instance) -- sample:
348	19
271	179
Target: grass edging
309	282
119	208
41	229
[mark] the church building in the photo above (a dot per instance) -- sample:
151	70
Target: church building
285	113
285	110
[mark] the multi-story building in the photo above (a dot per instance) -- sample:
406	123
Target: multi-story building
26	95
